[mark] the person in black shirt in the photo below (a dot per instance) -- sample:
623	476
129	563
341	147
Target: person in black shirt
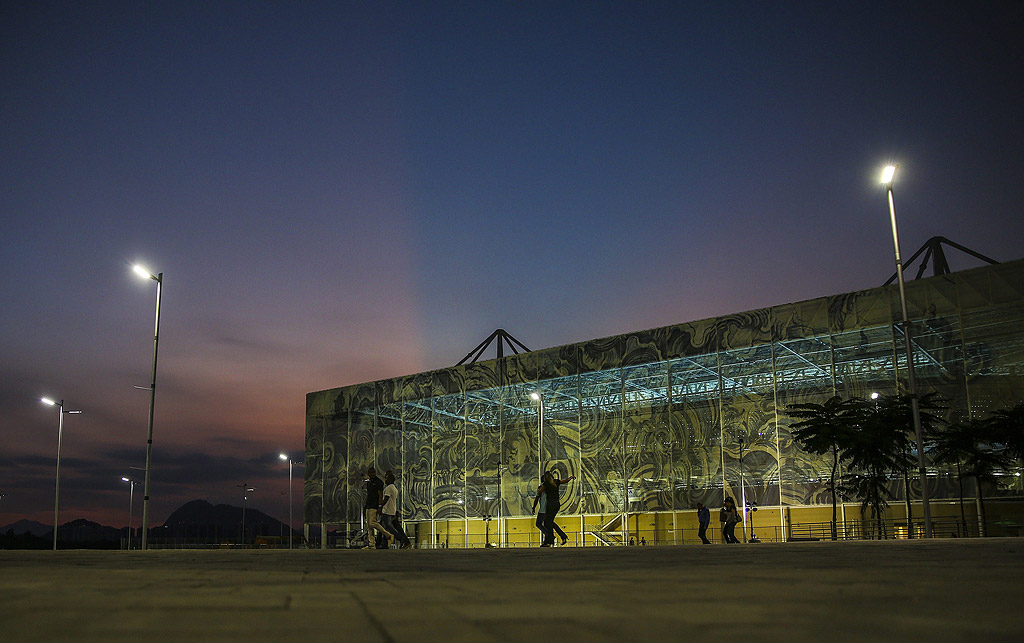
541	500
551	484
371	509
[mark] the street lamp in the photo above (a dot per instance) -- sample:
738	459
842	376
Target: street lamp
537	397
159	279
246	489
284	456
131	497
887	180
56	486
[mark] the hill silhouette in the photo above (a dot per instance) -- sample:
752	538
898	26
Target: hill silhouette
195	521
198	519
23	527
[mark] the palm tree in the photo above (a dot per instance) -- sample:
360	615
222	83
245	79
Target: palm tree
971	446
1008	430
954	445
825	428
897	413
874	448
982	466
873	490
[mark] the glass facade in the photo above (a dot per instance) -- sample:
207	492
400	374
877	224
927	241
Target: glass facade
656	421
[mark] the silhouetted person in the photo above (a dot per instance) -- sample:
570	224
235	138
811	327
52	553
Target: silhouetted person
389	511
729	517
371	509
551	484
703	521
541	501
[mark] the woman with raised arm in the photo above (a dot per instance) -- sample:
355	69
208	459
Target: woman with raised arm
551	484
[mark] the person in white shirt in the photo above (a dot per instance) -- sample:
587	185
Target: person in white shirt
389	511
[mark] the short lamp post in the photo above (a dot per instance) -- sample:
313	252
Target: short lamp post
291	524
887	180
131	497
159	279
56	486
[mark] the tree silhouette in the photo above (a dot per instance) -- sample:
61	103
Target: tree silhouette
877	445
1007	428
897	412
826	428
954	445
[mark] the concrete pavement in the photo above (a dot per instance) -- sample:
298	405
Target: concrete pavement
939	590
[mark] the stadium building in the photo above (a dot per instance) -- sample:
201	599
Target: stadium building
653	422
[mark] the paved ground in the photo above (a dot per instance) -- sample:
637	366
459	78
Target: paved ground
940	590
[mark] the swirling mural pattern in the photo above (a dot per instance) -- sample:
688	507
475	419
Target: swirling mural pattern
653	420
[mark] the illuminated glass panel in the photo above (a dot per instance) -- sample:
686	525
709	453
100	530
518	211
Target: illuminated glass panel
695	420
803	375
520	420
449	449
418	457
335	466
750	438
601	452
388	444
647	437
360	458
483	453
864	361
561	447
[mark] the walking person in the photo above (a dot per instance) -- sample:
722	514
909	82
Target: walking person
541	500
551	484
703	521
729	517
389	511
371	509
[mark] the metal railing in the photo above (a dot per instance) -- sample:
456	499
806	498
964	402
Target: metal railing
945	527
592	535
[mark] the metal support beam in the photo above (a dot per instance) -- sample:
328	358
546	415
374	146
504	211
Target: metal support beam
932	249
502	338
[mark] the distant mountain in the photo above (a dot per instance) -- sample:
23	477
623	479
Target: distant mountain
86	531
199	519
195	521
31	526
77	534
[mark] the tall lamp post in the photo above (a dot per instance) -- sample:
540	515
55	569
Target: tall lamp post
537	397
887	180
56	486
246	489
159	279
131	498
284	456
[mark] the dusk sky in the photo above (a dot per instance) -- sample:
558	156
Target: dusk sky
341	192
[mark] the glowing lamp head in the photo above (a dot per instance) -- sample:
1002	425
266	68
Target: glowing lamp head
46	400
283	456
125	479
142	272
887	174
535	396
875	396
